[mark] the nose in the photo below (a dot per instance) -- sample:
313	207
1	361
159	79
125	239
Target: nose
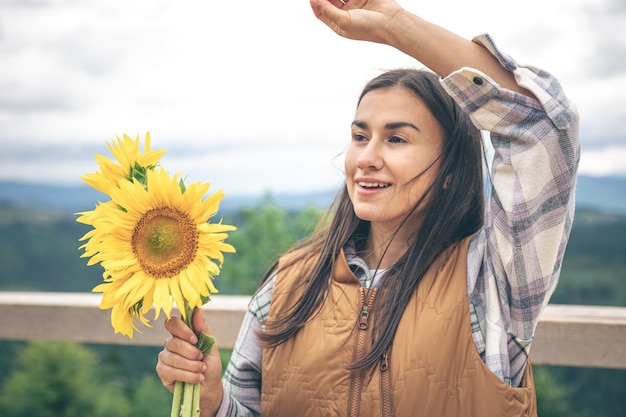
370	156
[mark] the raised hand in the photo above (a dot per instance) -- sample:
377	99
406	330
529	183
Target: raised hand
368	20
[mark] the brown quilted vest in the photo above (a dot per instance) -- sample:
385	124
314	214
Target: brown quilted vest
431	370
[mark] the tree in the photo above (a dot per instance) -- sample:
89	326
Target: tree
71	380
59	380
150	399
553	398
263	234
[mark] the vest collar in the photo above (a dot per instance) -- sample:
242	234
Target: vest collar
342	272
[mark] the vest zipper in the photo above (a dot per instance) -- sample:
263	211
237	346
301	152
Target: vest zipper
386	403
356	382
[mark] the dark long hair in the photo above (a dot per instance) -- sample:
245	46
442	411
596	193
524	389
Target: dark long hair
454	211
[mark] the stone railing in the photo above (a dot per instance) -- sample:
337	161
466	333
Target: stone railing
568	335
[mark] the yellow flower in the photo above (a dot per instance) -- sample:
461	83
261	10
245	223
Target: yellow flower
130	163
156	247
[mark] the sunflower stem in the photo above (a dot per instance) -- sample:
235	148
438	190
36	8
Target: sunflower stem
190	392
176	400
188	315
195	411
187	399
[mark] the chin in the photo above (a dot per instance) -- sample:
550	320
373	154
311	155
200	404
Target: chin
368	216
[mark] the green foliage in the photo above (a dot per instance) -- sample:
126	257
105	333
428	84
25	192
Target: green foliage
111	400
593	273
553	398
594	267
53	379
126	364
8	352
590	392
263	234
39	252
150	399
70	380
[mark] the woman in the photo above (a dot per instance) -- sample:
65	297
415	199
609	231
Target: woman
418	299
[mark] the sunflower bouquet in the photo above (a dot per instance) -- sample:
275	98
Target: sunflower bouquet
155	242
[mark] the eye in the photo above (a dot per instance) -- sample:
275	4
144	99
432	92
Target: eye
358	137
396	139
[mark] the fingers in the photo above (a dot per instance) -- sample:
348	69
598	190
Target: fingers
331	15
367	20
353	19
338	3
328	11
177	328
173	366
199	324
181	360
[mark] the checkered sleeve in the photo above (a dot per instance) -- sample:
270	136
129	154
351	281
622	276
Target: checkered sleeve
514	261
242	378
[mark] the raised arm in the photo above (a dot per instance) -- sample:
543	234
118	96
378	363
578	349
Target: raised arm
386	22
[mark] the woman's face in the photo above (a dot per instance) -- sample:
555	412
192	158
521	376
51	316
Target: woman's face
393	156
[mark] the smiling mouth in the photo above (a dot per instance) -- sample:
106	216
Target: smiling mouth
372	185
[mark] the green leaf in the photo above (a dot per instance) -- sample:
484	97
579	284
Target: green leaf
205	343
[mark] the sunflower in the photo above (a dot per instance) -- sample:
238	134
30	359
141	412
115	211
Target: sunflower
156	246
131	163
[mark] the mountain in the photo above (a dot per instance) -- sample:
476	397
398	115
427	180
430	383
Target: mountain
607	194
602	193
83	198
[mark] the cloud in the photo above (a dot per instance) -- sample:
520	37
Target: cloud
245	167
603	20
582	43
606	161
253	88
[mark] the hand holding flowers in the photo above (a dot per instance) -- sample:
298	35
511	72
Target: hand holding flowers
181	360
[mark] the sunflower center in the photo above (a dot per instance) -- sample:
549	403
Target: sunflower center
165	241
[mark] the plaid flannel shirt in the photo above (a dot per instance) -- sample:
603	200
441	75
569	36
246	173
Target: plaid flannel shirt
514	261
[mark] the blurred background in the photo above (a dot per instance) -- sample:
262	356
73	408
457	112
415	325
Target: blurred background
257	98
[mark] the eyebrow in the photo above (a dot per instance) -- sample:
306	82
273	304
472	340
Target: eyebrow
389	126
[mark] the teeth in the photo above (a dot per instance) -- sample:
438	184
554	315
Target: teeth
372	185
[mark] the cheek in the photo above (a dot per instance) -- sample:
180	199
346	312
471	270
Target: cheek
421	186
416	179
349	162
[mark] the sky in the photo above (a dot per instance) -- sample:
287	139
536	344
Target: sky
255	96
